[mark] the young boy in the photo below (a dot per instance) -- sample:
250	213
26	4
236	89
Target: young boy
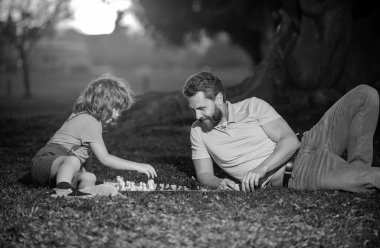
60	162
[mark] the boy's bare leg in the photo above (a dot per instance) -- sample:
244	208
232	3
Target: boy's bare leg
84	180
64	168
68	168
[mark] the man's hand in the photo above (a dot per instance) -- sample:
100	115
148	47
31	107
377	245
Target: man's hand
227	184
251	178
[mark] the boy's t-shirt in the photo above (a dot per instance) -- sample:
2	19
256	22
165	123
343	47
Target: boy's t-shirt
76	134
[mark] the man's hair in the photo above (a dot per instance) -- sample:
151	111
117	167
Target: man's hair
103	95
206	82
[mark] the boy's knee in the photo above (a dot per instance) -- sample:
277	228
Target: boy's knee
73	161
87	176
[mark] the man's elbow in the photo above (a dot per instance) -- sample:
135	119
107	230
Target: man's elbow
296	144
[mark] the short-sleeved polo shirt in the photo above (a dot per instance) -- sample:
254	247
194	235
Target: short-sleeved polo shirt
240	144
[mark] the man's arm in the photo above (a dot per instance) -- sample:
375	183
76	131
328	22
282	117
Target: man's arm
205	174
287	144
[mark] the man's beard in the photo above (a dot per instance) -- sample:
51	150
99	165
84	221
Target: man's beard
208	123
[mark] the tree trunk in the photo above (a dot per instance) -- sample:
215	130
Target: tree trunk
270	75
318	52
25	72
318	56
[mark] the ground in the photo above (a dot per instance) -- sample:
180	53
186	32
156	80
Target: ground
276	217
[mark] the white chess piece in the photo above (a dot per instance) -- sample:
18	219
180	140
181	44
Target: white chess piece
133	186
122	185
128	185
162	186
144	188
150	184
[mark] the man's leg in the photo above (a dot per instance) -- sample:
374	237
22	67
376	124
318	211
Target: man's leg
353	124
349	124
326	170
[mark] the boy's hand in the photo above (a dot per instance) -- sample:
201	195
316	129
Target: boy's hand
147	169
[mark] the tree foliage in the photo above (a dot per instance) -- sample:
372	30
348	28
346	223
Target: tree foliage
24	22
304	44
245	21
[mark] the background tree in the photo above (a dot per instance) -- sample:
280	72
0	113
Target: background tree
314	46
24	22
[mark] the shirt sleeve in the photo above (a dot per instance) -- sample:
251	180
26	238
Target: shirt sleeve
198	148
91	131
264	112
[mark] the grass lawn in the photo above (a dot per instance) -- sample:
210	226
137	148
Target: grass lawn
275	217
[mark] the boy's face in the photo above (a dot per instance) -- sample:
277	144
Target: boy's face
111	121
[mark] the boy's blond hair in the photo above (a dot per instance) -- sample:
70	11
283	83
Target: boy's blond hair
104	94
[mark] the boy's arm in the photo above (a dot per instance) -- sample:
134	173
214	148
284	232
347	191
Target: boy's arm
117	163
205	174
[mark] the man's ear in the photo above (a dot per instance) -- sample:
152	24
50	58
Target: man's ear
219	99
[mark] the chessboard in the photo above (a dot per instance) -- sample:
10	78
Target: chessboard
123	186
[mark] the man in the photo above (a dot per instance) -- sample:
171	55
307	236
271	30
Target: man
252	143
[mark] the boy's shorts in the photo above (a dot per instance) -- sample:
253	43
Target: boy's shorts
43	161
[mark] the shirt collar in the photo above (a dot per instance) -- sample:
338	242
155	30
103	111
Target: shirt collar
230	112
230	116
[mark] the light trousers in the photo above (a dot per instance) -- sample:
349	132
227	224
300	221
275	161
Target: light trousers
349	125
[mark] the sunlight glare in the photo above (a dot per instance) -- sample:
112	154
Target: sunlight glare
94	17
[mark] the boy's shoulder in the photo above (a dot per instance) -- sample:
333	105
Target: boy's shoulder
82	117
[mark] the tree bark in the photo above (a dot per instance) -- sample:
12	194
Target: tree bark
25	71
270	75
318	56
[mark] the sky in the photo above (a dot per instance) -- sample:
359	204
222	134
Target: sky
94	17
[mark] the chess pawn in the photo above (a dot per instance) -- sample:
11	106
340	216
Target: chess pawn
133	186
144	188
119	186
150	184
128	185
162	186
139	186
119	178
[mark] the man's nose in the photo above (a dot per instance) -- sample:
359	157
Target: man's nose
198	115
